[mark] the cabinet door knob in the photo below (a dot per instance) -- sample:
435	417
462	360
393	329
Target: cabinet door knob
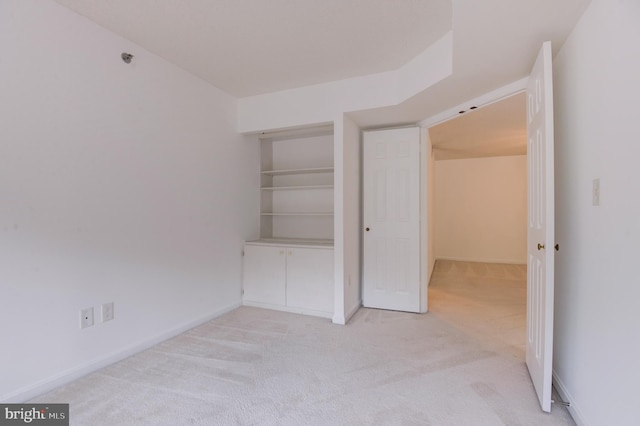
366	229
281	252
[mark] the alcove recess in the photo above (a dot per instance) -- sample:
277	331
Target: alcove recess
297	187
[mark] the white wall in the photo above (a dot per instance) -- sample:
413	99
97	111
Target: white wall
352	179
481	209
339	294
347	202
597	320
122	183
431	207
427	221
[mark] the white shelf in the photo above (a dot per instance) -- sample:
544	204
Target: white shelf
298	171
296	187
299	242
297	214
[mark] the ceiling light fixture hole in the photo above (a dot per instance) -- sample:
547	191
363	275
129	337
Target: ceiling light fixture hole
126	57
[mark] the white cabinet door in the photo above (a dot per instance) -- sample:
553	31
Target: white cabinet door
310	279
264	275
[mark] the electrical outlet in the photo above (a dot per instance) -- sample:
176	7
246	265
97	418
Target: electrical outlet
86	317
107	311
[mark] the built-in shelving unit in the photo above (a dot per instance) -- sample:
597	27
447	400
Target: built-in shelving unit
297	186
291	266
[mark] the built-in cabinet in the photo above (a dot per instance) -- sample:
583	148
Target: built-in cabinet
290	267
289	277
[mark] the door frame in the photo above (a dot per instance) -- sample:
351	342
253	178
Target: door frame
489	98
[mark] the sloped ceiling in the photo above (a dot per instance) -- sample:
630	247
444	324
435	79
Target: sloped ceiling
250	47
495	43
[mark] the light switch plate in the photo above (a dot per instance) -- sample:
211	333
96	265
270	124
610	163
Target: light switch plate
107	311
596	192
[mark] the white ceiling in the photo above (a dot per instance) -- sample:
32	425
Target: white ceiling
495	130
495	42
249	47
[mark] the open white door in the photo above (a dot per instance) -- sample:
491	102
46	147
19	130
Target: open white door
541	226
391	269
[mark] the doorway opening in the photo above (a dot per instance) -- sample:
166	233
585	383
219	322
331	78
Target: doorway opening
478	209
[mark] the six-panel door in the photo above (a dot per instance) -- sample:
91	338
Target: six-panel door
391	234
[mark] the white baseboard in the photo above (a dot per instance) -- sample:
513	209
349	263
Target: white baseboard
574	410
353	311
344	319
505	261
338	319
281	308
31	391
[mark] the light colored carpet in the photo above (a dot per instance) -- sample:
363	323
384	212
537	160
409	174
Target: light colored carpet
460	364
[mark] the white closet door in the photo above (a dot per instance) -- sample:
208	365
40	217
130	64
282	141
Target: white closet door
391	270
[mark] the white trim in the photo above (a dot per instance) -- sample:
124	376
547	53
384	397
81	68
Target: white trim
31	391
494	96
320	129
293	310
424	222
574	410
353	311
433	267
338	319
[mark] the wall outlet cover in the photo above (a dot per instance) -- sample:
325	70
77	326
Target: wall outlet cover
86	317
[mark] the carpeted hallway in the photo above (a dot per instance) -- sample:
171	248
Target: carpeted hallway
460	364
